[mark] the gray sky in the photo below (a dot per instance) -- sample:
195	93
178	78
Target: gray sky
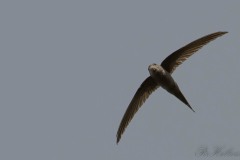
70	68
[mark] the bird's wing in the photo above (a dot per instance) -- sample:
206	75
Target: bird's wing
178	57
143	92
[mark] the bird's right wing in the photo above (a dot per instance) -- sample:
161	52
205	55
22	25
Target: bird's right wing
143	92
179	56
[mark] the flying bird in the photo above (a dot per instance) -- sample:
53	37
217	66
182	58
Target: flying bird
160	76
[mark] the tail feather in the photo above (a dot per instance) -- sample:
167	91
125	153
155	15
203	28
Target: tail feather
181	97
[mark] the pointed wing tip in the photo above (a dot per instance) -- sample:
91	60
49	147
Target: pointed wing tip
118	136
223	32
118	139
219	33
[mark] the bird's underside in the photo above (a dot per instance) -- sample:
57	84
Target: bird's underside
160	75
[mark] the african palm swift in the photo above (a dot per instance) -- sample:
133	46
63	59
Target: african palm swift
160	75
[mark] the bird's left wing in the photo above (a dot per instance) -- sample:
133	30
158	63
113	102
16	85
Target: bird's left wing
143	92
179	56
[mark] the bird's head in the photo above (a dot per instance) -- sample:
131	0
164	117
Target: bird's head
155	69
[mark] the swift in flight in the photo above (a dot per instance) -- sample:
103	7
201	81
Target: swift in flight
160	76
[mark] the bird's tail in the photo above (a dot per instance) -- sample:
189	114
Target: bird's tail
181	97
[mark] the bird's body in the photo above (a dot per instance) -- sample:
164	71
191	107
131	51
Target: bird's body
166	81
160	76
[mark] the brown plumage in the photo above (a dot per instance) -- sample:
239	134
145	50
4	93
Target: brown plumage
179	56
160	75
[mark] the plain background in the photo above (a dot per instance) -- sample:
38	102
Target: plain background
70	68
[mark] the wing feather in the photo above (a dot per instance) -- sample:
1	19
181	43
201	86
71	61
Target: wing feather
143	92
179	56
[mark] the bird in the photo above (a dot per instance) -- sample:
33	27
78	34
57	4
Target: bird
160	76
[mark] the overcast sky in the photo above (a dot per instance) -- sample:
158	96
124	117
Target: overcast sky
69	69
